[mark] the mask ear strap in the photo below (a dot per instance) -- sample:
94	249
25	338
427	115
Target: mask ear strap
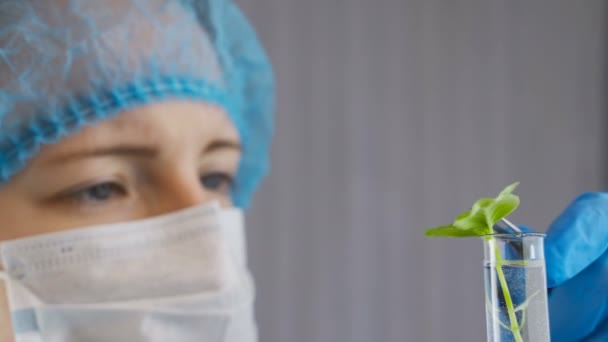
23	319
5	279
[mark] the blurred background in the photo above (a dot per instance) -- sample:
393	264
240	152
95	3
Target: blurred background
396	115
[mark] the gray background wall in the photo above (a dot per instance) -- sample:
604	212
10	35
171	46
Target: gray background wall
395	115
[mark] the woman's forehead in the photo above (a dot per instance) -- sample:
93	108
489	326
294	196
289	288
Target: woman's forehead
163	125
196	115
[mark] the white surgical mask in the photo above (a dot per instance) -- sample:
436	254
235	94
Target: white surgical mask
181	277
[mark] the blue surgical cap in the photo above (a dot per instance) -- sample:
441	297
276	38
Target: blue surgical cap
65	64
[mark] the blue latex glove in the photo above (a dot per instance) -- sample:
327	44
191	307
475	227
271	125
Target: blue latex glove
577	271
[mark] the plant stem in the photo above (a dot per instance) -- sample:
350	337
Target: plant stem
515	329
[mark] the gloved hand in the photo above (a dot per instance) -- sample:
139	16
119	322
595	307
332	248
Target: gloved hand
576	252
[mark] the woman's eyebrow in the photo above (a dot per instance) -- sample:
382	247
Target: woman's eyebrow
145	151
222	144
128	150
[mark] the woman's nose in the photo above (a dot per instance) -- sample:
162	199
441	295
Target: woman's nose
180	190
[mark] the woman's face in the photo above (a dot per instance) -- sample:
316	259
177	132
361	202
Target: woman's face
145	162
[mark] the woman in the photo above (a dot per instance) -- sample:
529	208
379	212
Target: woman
127	132
122	112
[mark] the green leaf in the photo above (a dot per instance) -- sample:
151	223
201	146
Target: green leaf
504	204
476	217
452	231
482	217
471	221
502	208
509	189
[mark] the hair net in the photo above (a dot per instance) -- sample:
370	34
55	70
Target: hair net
69	63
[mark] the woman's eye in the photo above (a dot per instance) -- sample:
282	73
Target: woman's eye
97	193
218	182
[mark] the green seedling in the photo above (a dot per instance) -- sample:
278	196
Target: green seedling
479	222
